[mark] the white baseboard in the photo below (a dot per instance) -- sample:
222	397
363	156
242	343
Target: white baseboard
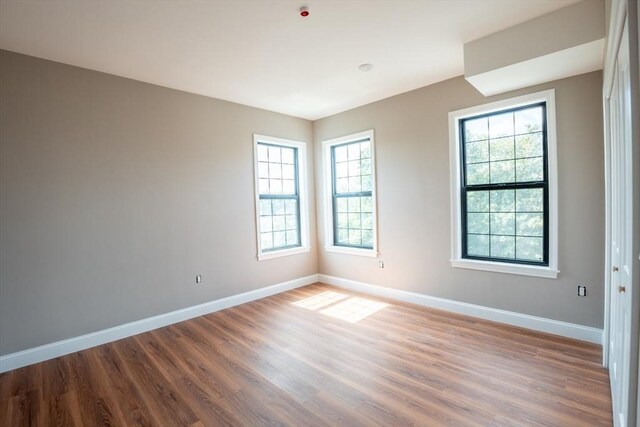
541	324
49	351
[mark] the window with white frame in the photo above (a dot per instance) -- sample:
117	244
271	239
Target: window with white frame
350	194
282	213
504	187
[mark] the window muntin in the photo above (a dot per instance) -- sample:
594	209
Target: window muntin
352	182
279	199
505	192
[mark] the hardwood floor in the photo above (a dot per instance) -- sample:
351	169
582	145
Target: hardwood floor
302	358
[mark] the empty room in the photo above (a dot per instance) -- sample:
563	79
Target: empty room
319	213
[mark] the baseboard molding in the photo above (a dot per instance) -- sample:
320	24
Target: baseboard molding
60	348
541	324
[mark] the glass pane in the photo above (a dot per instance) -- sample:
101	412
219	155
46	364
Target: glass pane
278	223
291	222
505	148
354	168
367	238
291	207
529	169
529	248
501	125
278	207
503	171
365	166
530	200
476	129
503	223
288	186
354	225
478	201
354	220
502	148
343	236
274	154
355	237
288	171
279	239
263	170
343	220
502	200
367	183
478	223
263	186
275	186
263	151
529	145
529	120
503	247
367	221
265	224
287	155
275	170
265	207
477	152
342	170
354	184
477	245
292	238
354	204
366	204
354	151
530	224
342	185
365	149
478	174
340	153
266	241
341	204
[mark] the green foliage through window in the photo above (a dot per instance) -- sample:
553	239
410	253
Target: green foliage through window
505	186
278	197
352	194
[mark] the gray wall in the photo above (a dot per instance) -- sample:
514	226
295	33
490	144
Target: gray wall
412	150
114	194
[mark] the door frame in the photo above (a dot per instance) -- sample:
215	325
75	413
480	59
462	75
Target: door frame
623	11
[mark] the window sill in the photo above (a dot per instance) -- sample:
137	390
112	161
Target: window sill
352	251
499	267
284	252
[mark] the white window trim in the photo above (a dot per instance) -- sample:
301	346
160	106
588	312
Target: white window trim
303	196
328	196
550	271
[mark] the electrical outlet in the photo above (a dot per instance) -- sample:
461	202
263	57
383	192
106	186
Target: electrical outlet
199	278
582	291
381	264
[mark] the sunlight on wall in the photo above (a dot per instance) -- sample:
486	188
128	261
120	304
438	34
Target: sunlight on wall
351	310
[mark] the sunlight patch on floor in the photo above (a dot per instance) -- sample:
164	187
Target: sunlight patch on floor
354	309
336	304
321	300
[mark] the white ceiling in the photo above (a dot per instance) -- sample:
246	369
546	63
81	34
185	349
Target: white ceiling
262	53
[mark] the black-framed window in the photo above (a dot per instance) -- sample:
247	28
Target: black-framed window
505	186
279	196
352	194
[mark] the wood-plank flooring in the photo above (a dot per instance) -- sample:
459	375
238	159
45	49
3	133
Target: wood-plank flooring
272	362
